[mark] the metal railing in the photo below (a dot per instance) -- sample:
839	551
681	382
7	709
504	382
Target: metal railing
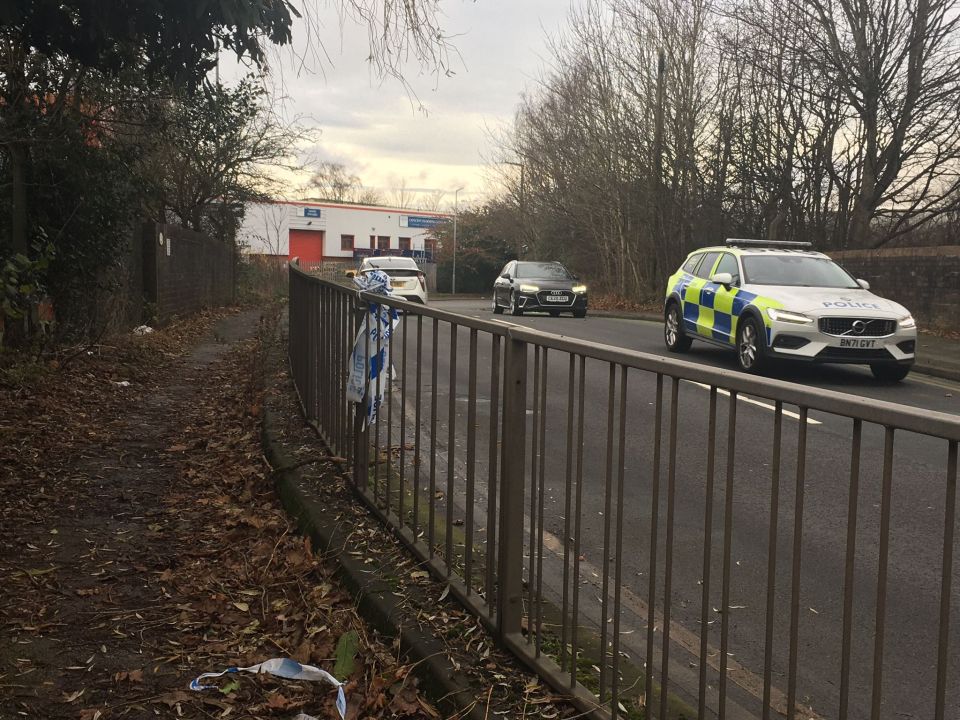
646	532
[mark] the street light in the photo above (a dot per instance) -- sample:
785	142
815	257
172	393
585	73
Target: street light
523	209
456	207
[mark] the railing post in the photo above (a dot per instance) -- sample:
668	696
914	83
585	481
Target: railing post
512	470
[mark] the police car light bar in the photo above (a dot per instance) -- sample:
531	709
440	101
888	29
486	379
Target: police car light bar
739	242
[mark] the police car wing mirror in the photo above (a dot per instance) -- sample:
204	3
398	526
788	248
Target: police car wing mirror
722	278
505	276
864	284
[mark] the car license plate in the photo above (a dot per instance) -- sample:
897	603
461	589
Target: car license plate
857	343
557	298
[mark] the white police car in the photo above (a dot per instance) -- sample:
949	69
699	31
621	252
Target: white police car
779	299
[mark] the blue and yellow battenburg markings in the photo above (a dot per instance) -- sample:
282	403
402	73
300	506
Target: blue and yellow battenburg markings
715	314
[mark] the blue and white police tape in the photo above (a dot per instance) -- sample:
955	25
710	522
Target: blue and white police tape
369	372
285	668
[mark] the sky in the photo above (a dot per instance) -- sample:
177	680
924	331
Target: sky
375	127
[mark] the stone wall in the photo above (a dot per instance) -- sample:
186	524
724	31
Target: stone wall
926	280
185	271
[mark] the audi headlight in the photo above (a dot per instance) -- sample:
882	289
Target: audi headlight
787	316
906	322
579	289
529	288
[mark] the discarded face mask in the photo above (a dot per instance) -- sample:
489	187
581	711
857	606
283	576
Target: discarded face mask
285	668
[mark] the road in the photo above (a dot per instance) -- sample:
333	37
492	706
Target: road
917	516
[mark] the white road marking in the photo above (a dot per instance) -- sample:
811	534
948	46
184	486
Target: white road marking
503	322
768	406
935	381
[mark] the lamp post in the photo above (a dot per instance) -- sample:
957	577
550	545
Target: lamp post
456	208
523	208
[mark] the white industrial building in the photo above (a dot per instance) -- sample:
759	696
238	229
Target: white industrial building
326	232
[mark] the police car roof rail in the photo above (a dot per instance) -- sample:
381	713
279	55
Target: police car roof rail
743	242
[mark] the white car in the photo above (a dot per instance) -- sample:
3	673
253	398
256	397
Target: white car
769	300
406	278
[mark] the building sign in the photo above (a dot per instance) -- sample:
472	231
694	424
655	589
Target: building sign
311	212
421	221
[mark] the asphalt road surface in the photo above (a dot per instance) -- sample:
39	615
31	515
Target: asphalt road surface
913	583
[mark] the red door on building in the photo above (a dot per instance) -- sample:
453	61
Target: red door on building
307	245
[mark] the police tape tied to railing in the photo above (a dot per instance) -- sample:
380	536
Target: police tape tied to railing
358	386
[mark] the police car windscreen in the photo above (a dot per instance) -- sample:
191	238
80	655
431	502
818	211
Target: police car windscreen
796	270
546	270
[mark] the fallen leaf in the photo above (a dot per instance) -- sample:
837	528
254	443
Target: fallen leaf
229	687
71	697
346	651
278	702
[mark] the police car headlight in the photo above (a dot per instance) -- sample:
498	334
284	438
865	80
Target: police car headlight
787	316
529	288
580	289
906	322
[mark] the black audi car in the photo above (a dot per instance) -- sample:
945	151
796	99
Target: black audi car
545	286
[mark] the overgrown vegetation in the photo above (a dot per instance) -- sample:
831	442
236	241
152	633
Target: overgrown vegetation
109	115
87	98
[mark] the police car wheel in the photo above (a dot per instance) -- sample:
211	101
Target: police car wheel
750	346
889	373
515	308
497	310
673	335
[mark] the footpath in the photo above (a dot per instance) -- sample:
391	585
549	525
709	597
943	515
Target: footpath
142	543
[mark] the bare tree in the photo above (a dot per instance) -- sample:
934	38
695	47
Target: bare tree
332	181
898	67
402	196
400	33
663	125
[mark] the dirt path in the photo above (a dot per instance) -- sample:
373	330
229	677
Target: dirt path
140	541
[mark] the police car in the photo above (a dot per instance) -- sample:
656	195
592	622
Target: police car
782	300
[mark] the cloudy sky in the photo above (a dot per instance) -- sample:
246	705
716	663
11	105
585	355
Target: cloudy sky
374	127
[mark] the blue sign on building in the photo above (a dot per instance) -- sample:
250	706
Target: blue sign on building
420	221
311	212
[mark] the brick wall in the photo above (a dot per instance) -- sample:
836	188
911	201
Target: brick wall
926	280
184	271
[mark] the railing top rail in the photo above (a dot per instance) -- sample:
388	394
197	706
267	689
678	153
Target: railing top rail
880	412
902	417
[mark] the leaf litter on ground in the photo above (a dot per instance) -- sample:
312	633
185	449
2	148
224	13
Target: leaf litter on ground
143	544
